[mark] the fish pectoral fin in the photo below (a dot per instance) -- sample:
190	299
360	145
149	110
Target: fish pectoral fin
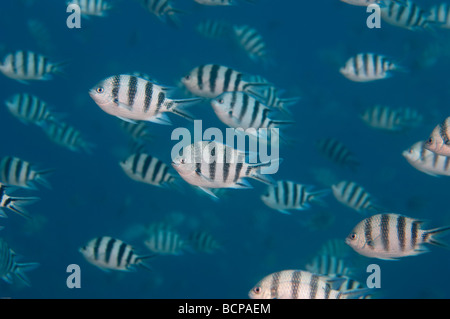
199	173
127	120
160	118
124	106
242	184
209	192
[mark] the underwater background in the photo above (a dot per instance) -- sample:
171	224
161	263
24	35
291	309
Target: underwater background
91	196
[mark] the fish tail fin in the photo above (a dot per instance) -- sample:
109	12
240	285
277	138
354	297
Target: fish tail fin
256	173
41	179
178	107
284	103
173	17
141	263
21	268
355	293
16	205
317	197
430	236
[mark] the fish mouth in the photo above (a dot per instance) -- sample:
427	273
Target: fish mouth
175	165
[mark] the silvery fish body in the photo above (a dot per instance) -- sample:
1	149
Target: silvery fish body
405	14
366	67
427	161
440	15
29	109
17	172
354	196
439	140
252	42
67	136
164	239
391	236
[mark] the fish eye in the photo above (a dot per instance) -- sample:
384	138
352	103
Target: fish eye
220	101
257	290
100	89
352	236
430	140
187	77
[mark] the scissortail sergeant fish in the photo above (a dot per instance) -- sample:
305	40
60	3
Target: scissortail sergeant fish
17	172
300	284
204	242
108	253
163	239
29	109
288	195
440	15
211	80
10	269
14	204
337	152
209	164
26	65
67	136
427	161
92	7
252	42
132	98
354	196
405	14
391	236
439	140
148	169
163	10
366	67
328	265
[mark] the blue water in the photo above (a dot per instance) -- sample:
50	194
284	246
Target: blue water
92	197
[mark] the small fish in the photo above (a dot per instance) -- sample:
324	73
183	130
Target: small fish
67	136
252	42
209	164
29	109
354	196
439	140
17	172
211	80
92	7
148	169
26	65
288	195
163	10
132	98
405	14
14	204
440	15
139	132
366	67
391	236
108	253
10	269
328	265
427	161
165	240
214	29
300	284
241	110
337	152
203	242
383	117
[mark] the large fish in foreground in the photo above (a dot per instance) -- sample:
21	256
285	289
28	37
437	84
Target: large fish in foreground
439	140
391	236
427	161
131	98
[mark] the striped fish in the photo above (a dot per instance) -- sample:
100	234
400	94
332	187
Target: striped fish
214	165
163	10
67	136
211	80
26	65
14	204
29	109
252	42
270	97
132	98
164	239
366	67
17	172
214	29
300	284
391	236
439	140
440	15
328	265
148	169
405	14
139	132
337	152
354	196
241	110
92	7
427	161
383	117
288	195
203	242
10	269
108	253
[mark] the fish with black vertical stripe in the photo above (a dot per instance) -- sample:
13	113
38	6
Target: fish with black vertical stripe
252	42
354	196
88	8
392	236
366	67
29	109
27	65
148	169
427	161
163	10
300	284
405	14
203	242
15	171
439	140
440	15
162	238
210	164
132	98
67	136
288	195
211	80
337	152
108	253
